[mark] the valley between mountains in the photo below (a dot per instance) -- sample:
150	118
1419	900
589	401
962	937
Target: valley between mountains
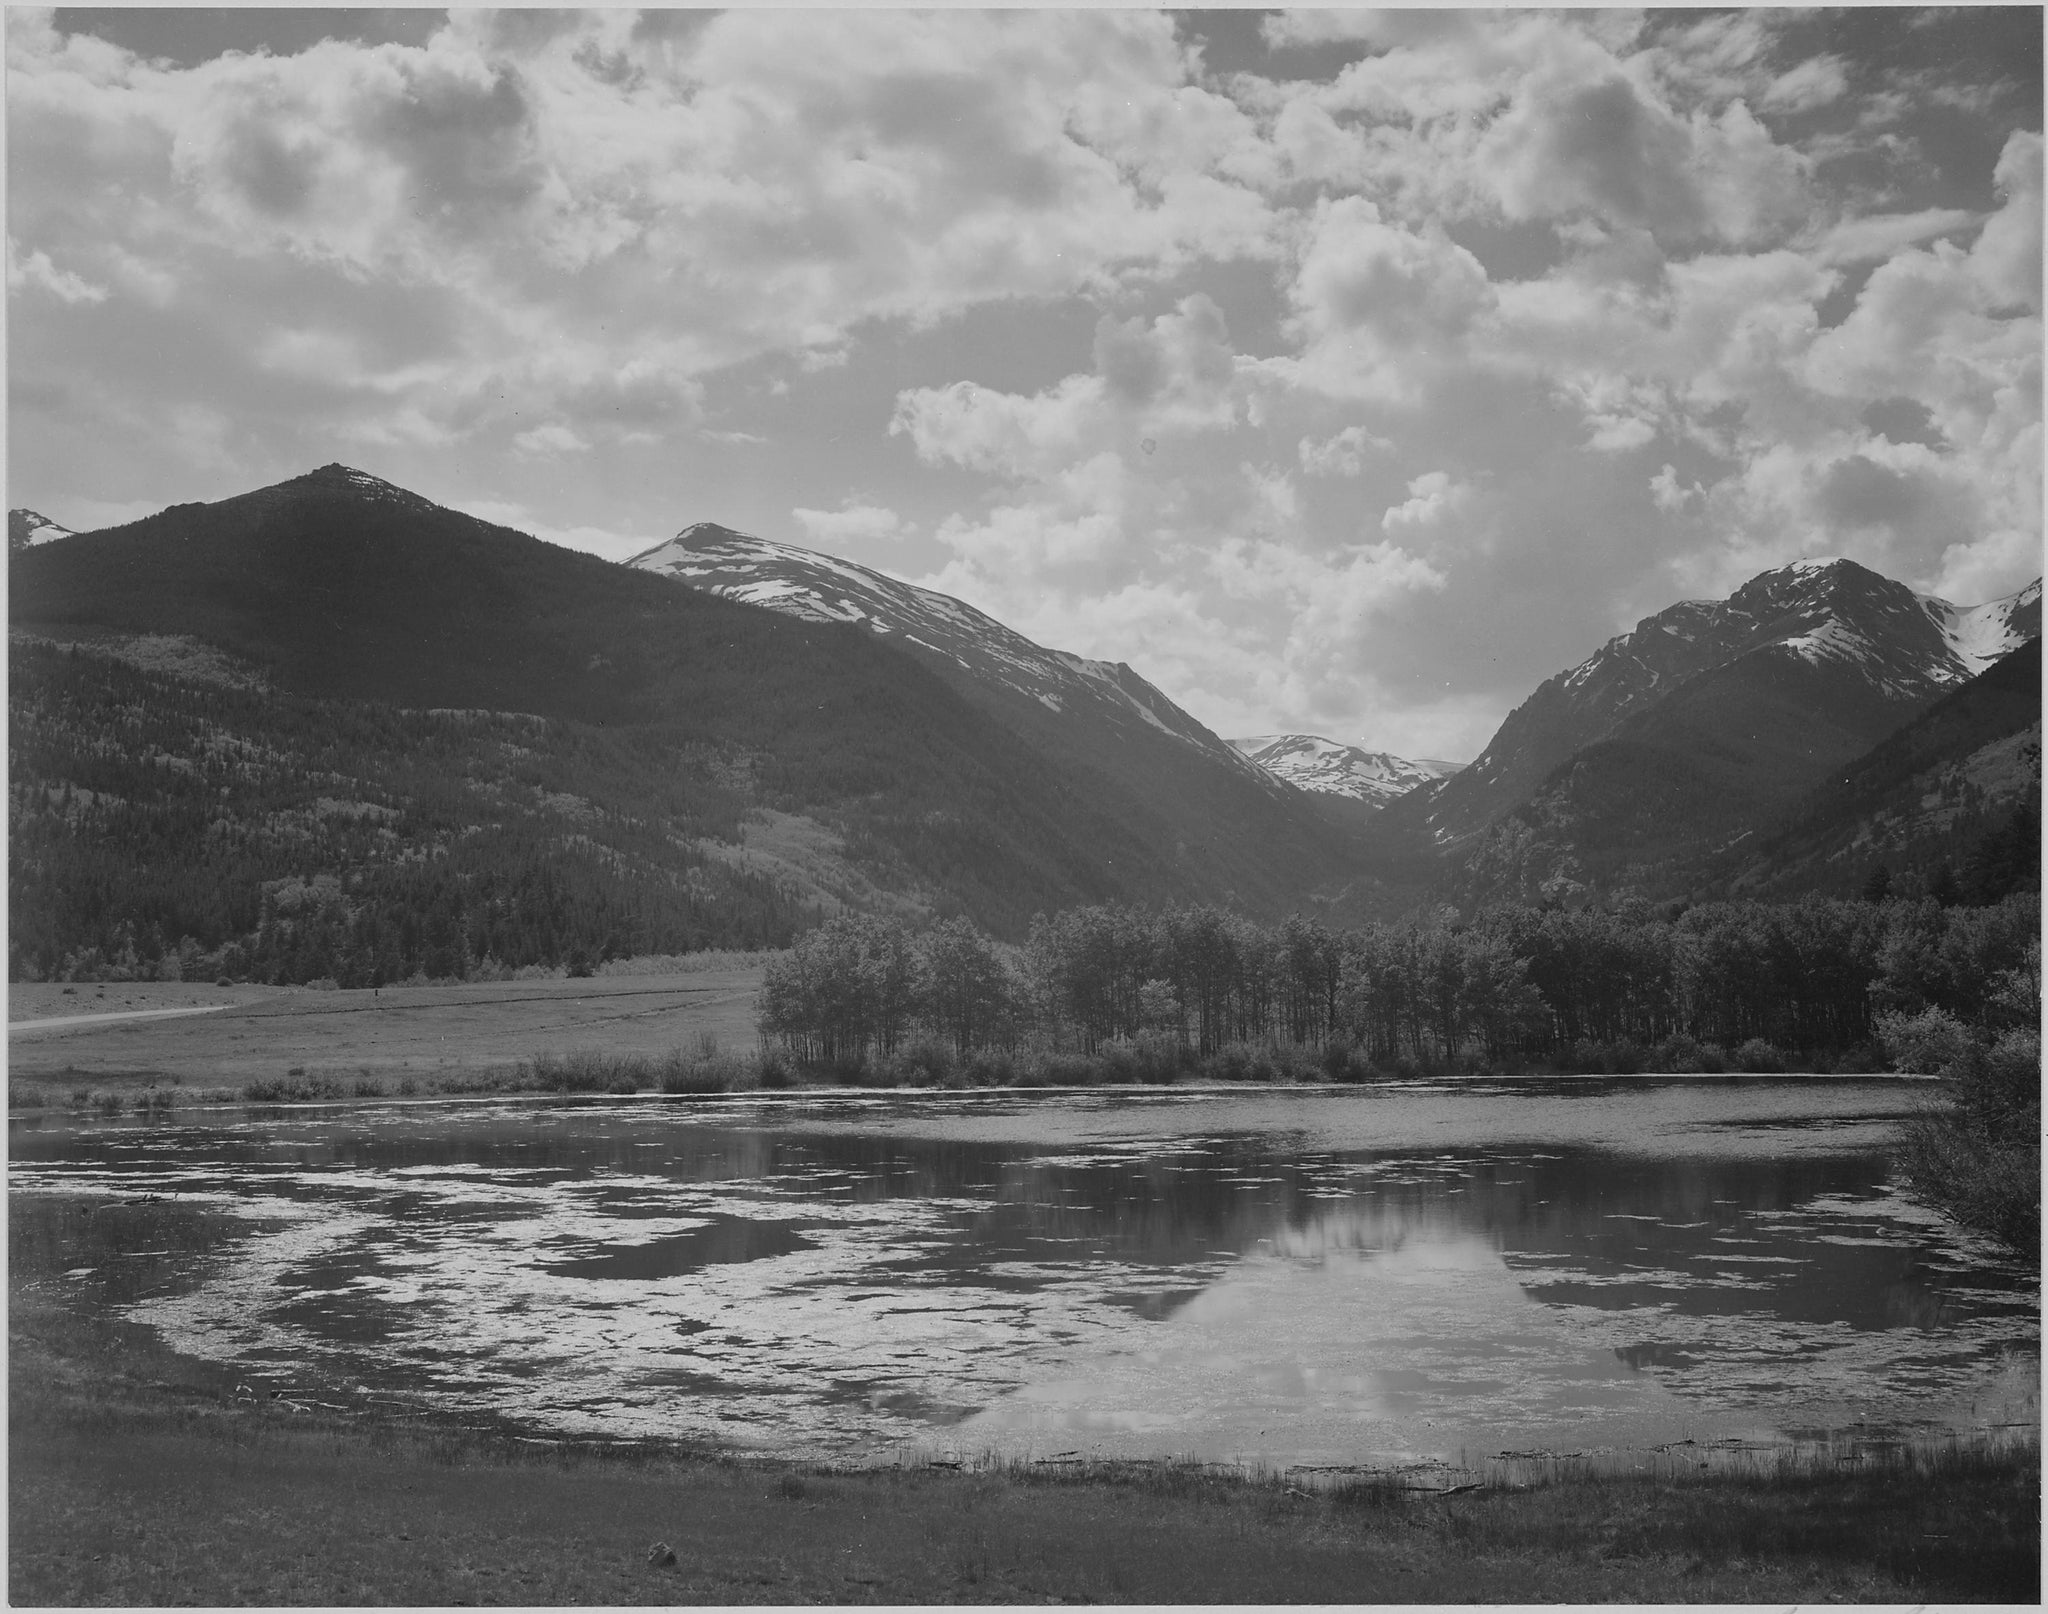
328	729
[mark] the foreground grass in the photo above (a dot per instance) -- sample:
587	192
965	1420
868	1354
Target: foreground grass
138	1477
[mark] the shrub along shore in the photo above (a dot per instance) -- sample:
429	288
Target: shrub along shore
704	1070
137	1476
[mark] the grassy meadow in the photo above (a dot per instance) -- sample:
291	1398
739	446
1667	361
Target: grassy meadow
331	1043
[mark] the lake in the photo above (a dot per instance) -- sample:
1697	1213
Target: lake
1403	1275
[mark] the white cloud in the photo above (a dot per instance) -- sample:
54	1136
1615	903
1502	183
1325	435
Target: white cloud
1433	499
1617	434
551	438
850	524
591	540
1877	236
1172	378
38	272
1378	306
1815	82
1669	494
2006	260
560	203
540	255
1342	454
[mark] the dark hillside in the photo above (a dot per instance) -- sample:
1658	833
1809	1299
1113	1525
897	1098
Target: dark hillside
1715	760
336	588
1921	797
167	827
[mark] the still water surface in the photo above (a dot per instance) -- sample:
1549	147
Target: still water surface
1287	1278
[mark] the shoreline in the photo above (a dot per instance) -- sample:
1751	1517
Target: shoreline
135	1480
202	1100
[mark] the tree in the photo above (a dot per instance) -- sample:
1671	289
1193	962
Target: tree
1943	886
1976	1157
964	988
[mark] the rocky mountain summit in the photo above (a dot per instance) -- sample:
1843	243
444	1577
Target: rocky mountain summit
1329	767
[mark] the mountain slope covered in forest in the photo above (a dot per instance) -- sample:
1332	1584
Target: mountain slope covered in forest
1798	670
1703	726
337	603
1926	795
1216	810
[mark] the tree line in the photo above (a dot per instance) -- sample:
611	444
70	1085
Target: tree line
1628	987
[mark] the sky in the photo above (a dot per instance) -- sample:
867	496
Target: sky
1342	372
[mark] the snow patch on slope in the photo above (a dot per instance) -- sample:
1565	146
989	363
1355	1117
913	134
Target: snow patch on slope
27	530
1982	634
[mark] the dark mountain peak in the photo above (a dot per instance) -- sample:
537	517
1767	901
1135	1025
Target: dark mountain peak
347	480
704	537
1818	583
1824	647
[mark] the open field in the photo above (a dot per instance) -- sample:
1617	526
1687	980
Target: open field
261	1033
140	1477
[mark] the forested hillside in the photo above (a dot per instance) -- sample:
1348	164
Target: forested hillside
1958	787
347	602
1624	817
1250	837
170	828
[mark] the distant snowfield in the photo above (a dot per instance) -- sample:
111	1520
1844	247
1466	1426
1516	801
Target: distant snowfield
1311	762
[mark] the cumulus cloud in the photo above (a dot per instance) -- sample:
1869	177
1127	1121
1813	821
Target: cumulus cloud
1171	377
571	203
1327	392
1669	494
1378	306
1433	498
2006	260
1342	454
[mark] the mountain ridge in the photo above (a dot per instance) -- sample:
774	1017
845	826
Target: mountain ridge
820	587
1320	765
1700	729
1883	640
1215	806
338	586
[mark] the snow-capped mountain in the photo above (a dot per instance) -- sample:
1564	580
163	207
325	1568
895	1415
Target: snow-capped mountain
1310	762
823	588
26	529
1819	657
